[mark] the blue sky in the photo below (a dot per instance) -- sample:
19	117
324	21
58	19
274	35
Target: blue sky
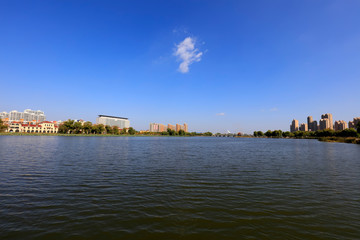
246	65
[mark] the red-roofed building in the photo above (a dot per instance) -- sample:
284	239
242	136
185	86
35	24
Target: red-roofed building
43	127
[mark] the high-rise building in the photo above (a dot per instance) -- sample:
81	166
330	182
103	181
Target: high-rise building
304	127
172	127
309	123
162	128
294	126
158	127
354	122
27	116
154	127
186	129
340	125
324	123
113	121
4	115
314	126
330	117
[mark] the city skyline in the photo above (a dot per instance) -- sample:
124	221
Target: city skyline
326	121
237	66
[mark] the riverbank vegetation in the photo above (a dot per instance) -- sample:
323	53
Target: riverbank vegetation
349	135
3	127
74	128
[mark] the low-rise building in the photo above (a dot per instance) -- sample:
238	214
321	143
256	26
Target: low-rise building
31	127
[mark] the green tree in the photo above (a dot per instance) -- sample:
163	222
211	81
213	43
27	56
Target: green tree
349	132
268	133
208	134
325	133
255	134
286	134
68	126
108	129
260	134
181	132
123	131
77	127
171	132
63	128
3	127
115	130
358	127
98	128
131	131
87	127
276	133
165	133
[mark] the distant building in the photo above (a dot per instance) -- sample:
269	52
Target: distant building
310	123
304	127
294	126
27	116
4	115
120	122
162	128
172	127
340	125
314	126
324	124
352	124
158	127
330	117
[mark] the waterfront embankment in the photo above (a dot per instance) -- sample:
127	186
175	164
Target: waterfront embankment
87	135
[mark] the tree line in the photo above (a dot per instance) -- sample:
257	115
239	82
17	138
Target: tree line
73	127
3	127
349	132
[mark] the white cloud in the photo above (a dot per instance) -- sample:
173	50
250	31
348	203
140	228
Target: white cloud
220	114
187	53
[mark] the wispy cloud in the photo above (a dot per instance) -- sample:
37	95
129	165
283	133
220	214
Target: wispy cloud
187	53
274	109
220	114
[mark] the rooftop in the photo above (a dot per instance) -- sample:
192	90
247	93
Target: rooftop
113	117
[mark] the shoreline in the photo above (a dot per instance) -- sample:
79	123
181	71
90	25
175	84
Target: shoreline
352	140
88	135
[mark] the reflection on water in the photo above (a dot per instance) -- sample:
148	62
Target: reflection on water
178	188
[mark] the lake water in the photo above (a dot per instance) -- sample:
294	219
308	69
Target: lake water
178	188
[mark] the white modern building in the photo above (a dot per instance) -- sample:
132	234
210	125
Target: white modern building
113	121
28	115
